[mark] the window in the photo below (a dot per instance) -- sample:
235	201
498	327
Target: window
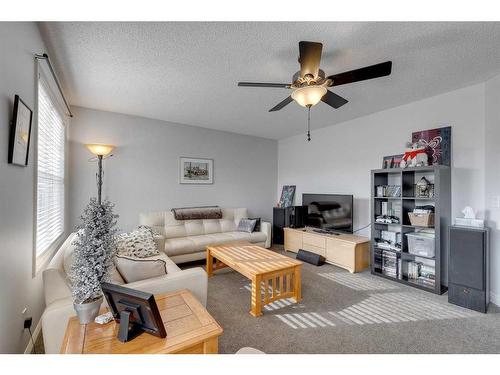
50	169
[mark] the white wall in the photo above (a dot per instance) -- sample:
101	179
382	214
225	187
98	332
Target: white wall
339	158
492	180
18	288
143	174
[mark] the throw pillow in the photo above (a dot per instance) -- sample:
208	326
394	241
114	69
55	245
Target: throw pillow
257	223
197	213
134	269
139	243
246	225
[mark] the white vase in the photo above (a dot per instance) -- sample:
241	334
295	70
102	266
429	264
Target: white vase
87	312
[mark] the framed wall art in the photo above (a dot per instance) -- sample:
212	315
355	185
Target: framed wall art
20	133
196	171
438	144
287	196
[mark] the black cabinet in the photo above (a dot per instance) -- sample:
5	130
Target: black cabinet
468	276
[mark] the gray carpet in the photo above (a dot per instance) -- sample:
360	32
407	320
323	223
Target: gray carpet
349	313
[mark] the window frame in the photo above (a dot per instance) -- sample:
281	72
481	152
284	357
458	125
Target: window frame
41	260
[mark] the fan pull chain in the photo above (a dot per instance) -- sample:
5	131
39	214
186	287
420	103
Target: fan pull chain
309	123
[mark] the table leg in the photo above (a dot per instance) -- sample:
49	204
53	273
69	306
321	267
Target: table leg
211	346
210	263
297	284
256	297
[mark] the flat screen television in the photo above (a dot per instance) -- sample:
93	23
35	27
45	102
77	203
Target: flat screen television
330	212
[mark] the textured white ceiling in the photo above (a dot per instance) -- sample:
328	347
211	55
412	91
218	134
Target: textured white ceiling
187	72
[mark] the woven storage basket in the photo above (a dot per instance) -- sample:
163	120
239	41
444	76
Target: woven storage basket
421	220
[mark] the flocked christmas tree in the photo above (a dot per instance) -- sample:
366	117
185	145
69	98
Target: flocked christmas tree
94	251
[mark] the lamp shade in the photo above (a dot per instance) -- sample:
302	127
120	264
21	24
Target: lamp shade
100	149
308	95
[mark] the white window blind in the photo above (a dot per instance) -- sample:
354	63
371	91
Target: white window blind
50	169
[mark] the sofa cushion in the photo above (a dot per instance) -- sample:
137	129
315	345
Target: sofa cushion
212	226
186	245
194	227
253	237
135	269
227	225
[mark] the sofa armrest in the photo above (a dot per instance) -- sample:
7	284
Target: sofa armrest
194	279
54	322
265	227
55	286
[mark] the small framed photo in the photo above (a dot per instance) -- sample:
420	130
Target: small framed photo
392	161
20	133
196	171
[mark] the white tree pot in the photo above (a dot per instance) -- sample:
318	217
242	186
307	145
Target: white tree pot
87	312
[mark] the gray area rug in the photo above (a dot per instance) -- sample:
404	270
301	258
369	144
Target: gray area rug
349	313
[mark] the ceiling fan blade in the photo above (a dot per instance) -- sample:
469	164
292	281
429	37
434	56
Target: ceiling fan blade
333	100
368	72
309	58
260	84
281	104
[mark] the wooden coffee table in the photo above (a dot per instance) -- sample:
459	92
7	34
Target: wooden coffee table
190	330
274	276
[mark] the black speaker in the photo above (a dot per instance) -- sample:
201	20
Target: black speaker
468	269
281	219
298	217
308	257
287	217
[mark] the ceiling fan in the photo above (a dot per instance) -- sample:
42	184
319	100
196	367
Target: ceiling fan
310	84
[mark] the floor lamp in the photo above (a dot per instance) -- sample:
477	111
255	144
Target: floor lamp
100	151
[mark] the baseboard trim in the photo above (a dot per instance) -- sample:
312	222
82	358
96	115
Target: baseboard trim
495	298
36	334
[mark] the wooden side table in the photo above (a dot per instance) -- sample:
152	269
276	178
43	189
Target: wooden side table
190	330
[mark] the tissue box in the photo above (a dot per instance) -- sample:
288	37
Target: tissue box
475	223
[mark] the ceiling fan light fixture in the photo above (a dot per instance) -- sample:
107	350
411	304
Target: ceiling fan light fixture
308	95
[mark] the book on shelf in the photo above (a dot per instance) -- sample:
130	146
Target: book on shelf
389	264
388	191
421	273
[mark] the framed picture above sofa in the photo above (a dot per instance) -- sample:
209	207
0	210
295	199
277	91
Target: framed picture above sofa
196	171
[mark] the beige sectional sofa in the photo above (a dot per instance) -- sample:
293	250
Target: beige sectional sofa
186	240
59	302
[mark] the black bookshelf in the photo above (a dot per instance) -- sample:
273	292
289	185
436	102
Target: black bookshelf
406	202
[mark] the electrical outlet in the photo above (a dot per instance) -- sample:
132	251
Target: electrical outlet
28	322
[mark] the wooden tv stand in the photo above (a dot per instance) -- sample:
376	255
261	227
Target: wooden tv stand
343	250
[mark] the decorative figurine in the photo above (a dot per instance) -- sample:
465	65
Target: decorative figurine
415	155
